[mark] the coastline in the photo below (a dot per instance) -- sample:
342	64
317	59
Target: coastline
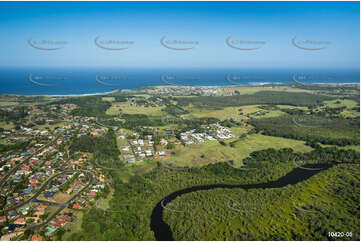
82	95
261	84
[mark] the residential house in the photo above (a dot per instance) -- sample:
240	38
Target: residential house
36	237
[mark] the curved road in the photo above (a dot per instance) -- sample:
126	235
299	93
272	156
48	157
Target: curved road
3	180
61	206
41	189
64	205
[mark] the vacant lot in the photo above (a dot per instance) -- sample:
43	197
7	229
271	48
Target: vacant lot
126	108
7	125
268	114
213	151
221	114
227	113
108	99
340	103
75	226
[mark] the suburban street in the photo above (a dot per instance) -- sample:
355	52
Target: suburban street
15	168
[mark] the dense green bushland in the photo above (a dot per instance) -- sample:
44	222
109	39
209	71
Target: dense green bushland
262	97
19	146
16	116
313	128
174	110
327	202
90	106
128	217
103	147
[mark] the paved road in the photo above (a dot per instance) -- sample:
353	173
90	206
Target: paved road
64	205
47	202
41	189
60	205
34	197
15	168
131	146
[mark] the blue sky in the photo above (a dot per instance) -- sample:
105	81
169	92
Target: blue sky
208	23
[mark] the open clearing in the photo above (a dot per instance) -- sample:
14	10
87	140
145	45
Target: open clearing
234	112
7	126
341	103
5	103
291	107
108	99
221	114
214	152
127	108
75	226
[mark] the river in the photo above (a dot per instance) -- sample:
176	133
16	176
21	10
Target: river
161	229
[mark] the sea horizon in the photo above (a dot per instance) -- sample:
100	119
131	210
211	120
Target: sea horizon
67	81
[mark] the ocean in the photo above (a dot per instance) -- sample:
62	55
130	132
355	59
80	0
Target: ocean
83	81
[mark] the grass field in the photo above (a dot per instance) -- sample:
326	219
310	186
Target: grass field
61	197
350	113
351	147
103	203
269	114
222	114
75	226
341	103
234	113
8	126
237	131
51	126
214	152
291	107
130	170
126	108
5	103
108	99
349	104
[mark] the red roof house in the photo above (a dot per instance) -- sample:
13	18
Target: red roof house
76	206
92	194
